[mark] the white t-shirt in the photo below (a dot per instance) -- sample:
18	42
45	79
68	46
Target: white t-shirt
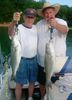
59	40
28	41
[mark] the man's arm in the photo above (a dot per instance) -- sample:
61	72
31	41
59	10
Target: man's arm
11	28
62	28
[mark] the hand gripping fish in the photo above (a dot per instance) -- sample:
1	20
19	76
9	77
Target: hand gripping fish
15	54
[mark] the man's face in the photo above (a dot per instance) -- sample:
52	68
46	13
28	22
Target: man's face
49	13
29	19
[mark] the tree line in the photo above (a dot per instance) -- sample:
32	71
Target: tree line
8	7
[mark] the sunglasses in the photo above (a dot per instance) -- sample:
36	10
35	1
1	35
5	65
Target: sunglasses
30	17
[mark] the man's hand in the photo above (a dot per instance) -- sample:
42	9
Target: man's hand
53	22
16	16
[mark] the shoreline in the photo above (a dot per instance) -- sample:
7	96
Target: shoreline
5	24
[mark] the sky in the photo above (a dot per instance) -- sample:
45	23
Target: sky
61	2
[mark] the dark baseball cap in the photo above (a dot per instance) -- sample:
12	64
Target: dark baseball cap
30	12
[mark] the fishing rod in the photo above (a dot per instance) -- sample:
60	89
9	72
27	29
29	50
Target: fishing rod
51	31
63	74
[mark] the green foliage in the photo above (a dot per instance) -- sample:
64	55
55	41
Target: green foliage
65	13
8	7
4	40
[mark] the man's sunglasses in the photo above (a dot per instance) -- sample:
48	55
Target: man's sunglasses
30	17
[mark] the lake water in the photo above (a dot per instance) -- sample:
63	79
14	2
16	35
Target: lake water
69	51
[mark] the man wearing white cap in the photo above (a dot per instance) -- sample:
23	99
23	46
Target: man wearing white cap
58	27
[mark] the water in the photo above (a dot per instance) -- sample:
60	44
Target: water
69	43
69	51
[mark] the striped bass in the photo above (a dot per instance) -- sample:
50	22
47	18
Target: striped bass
49	61
49	66
53	65
15	54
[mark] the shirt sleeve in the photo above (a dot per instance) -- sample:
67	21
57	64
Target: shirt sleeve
62	22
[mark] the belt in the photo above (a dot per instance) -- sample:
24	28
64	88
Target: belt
28	58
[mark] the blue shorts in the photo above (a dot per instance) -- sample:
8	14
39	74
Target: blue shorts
27	71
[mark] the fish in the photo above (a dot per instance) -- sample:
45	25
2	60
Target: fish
49	66
53	65
49	61
15	55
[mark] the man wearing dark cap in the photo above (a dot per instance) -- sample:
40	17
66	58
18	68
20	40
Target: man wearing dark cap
27	35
